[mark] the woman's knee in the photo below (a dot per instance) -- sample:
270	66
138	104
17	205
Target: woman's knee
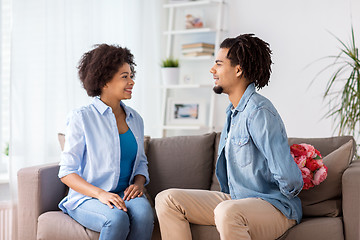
141	212
117	218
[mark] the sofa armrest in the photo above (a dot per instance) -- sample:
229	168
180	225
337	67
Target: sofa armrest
350	200
39	190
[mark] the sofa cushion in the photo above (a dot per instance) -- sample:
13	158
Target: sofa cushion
56	225
316	228
180	162
325	199
199	232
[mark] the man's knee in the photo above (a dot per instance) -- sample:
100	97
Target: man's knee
165	197
226	212
222	210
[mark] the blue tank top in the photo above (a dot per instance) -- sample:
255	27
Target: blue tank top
128	148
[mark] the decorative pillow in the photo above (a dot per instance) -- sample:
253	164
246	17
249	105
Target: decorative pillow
324	199
180	162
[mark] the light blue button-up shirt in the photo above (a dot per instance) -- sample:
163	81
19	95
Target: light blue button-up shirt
254	156
92	149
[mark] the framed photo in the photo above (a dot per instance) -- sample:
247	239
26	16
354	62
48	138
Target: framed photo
186	111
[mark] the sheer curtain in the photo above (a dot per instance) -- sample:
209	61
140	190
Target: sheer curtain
48	39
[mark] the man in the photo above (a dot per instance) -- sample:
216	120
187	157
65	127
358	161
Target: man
258	177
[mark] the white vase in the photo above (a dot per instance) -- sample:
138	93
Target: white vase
170	75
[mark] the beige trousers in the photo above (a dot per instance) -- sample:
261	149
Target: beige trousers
250	218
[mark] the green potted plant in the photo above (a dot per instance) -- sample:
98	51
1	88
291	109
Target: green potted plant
343	88
170	71
6	149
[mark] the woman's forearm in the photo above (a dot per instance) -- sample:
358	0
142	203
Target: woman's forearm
139	179
78	184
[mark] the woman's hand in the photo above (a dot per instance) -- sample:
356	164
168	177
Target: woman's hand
111	199
136	189
133	191
79	185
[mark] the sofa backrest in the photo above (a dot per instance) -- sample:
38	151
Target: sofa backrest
177	162
180	162
189	162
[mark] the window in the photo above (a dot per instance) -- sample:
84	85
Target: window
5	41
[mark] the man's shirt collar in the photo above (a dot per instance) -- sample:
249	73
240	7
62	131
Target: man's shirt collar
244	99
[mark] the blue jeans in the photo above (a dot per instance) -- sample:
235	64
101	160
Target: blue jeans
135	224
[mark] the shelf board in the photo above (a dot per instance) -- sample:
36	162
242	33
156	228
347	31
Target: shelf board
190	31
192	3
207	57
183	127
180	86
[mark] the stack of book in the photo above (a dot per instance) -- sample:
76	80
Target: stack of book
197	49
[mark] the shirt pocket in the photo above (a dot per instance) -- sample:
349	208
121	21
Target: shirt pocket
241	150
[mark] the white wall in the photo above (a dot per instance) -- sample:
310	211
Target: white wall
298	35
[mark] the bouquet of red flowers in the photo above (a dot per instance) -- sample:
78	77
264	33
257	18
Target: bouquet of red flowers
310	162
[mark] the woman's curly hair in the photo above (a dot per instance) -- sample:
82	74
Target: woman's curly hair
253	55
98	66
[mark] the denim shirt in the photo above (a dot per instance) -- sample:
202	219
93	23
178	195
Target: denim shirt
254	156
92	149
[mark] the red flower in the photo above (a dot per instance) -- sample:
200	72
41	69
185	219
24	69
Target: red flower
310	163
320	175
298	150
318	154
307	183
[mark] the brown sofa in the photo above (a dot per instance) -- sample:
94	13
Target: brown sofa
331	210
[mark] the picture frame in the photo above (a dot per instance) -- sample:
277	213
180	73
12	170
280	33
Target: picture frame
186	112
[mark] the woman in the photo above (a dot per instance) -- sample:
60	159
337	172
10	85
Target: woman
103	161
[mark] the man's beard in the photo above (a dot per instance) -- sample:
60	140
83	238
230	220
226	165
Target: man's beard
218	89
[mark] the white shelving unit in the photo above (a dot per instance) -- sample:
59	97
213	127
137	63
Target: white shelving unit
171	33
182	86
190	31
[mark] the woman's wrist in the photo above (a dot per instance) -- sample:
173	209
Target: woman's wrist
139	180
98	192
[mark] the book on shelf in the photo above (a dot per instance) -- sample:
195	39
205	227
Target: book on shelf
199	49
197	54
179	1
197	45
